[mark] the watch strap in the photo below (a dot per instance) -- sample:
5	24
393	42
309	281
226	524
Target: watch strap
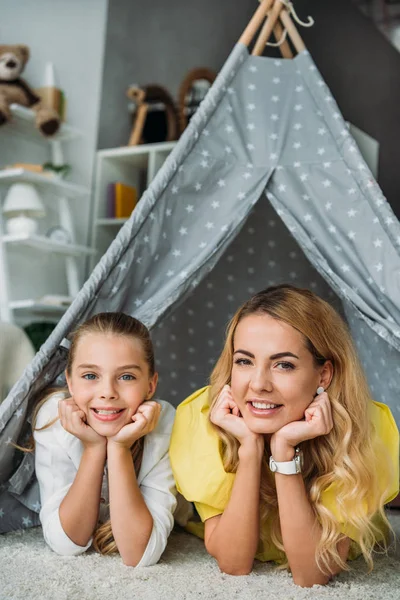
289	467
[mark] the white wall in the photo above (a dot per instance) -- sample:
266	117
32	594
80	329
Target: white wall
71	34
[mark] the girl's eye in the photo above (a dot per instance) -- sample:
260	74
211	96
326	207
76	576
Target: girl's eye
89	376
285	366
242	361
127	377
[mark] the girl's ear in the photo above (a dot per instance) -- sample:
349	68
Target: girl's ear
326	374
67	379
152	386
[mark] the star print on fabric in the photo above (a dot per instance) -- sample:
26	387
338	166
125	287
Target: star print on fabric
204	164
321	151
328	205
251	106
345	268
183	231
275	98
241	195
138	302
189	208
253	69
215	204
174	189
221	183
297	126
251	87
176	253
168	212
352	213
210	225
377	243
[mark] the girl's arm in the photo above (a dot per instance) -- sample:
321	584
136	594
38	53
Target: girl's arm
232	538
79	510
142	516
57	461
300	529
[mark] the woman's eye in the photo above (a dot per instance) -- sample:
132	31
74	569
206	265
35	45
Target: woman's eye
89	376
285	366
127	377
242	361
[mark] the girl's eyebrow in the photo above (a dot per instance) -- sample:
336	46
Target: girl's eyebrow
272	357
123	368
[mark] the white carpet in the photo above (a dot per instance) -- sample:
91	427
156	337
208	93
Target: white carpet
30	571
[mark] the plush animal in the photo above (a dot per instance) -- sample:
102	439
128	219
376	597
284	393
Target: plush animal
14	89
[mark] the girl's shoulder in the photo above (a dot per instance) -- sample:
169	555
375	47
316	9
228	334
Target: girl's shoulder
49	409
166	418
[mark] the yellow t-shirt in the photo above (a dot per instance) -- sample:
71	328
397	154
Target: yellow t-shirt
200	476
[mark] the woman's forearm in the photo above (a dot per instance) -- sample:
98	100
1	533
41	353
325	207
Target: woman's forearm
79	510
301	531
131	520
234	539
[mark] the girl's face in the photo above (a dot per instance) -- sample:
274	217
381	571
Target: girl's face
109	379
274	377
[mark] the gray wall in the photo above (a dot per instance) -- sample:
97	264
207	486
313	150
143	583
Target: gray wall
158	42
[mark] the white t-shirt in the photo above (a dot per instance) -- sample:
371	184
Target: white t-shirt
57	458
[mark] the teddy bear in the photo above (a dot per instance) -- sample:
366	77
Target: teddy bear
13	59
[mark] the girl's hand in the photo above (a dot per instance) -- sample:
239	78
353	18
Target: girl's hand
226	415
317	421
144	421
73	419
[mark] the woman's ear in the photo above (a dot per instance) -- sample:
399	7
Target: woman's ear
326	374
152	386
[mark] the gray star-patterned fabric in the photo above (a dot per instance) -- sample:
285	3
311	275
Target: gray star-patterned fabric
266	185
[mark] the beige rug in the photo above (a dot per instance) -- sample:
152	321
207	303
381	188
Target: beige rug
30	571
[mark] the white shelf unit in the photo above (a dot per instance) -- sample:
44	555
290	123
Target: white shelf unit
57	194
132	165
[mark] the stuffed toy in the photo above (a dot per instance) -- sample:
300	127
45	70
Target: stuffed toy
14	89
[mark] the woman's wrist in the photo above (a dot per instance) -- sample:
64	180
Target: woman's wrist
281	450
251	447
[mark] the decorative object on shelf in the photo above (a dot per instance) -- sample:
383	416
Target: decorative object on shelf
51	95
121	200
13	89
192	91
154	115
59	170
59	234
22	206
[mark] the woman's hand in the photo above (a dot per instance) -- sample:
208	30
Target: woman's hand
73	419
227	416
143	421
317	421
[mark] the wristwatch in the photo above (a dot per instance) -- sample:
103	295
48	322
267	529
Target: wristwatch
289	467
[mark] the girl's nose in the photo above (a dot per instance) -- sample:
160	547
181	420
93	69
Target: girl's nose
108	390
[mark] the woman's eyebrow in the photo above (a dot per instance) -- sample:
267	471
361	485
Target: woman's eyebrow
272	357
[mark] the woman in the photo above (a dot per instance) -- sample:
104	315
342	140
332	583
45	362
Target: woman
286	456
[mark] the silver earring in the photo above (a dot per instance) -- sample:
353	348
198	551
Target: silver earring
320	390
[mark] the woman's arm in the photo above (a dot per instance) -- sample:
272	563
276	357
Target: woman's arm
232	538
300	529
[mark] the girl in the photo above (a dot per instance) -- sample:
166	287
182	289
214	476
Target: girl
286	456
101	447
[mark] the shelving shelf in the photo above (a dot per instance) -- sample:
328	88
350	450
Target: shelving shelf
42	243
23	122
52	184
38	307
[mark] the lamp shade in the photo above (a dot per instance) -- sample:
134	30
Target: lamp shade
23	198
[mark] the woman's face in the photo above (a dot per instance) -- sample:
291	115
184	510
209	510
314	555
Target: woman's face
109	379
274	377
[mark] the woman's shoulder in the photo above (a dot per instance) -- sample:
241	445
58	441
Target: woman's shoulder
197	403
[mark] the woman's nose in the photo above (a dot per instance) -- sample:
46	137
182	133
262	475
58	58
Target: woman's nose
261	381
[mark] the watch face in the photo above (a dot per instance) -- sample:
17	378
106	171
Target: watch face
59	235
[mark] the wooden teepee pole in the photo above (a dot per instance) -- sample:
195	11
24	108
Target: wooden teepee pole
292	31
255	22
268	26
284	47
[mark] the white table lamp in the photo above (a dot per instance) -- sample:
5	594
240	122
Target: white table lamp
22	205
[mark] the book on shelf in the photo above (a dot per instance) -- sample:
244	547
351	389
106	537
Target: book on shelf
121	200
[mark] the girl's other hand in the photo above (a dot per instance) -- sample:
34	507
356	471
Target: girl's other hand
227	416
73	419
143	422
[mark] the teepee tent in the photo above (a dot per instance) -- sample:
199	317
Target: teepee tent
268	137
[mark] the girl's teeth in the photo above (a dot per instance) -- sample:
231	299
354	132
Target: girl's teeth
263	405
106	412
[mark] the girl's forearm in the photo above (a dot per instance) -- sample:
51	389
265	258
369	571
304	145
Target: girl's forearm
234	539
131	520
79	510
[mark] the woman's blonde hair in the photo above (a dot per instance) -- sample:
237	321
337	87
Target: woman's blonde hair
344	458
110	323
